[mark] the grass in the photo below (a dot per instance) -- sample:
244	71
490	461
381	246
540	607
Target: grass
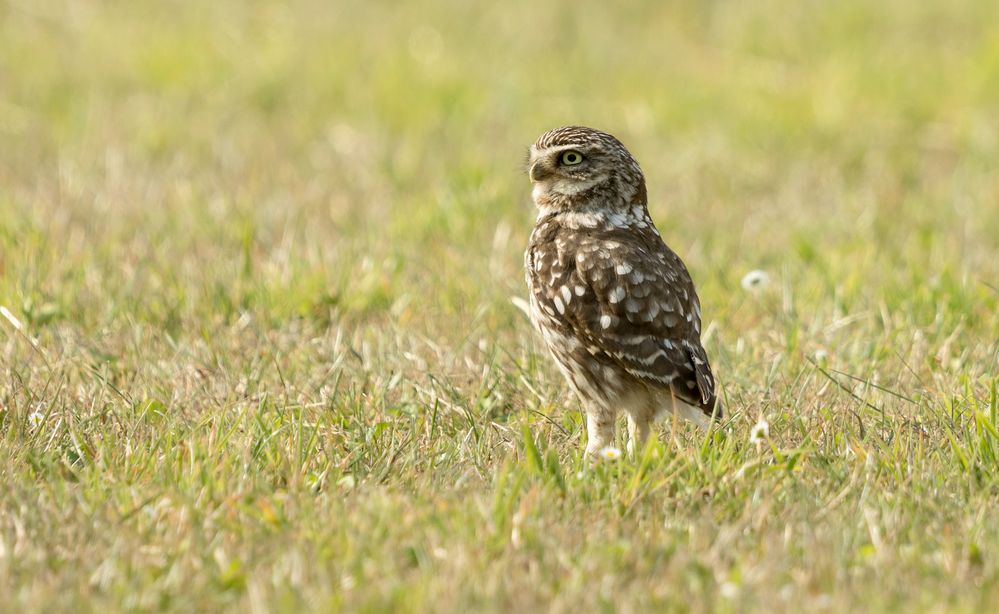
262	259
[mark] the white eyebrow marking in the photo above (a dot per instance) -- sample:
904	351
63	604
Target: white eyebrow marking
554	149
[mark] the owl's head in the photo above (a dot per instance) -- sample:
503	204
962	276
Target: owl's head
576	167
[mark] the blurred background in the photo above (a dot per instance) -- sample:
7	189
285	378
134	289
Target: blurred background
368	155
184	164
179	166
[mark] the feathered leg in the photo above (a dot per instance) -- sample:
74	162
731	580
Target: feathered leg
599	429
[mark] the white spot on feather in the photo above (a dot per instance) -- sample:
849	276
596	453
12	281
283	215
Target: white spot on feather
648	360
617	220
575	219
616	295
605	321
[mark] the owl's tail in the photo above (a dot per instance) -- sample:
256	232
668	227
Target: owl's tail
701	416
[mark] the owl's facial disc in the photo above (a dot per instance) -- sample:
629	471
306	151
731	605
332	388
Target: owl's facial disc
565	170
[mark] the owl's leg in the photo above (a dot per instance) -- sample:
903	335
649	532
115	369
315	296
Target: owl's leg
599	429
639	426
641	414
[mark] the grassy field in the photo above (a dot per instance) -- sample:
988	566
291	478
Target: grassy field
258	350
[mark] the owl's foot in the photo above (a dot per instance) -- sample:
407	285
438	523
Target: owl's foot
599	431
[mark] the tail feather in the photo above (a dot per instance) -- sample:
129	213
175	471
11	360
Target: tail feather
699	415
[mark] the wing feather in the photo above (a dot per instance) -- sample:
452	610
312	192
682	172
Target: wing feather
646	315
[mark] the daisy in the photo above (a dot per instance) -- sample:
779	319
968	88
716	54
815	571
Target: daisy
609	453
760	432
755	280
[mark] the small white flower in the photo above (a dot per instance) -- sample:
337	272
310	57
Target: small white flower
821	356
609	453
755	280
35	418
760	432
729	590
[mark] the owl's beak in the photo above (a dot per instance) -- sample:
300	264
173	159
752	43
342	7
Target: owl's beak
540	171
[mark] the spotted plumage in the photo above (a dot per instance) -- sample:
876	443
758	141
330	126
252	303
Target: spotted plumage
615	306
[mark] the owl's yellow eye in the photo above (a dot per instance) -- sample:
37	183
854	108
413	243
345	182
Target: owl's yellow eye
571	158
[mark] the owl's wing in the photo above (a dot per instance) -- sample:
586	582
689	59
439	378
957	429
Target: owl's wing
643	313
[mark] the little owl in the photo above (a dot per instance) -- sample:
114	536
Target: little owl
616	307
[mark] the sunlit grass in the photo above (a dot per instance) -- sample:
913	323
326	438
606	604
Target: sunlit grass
258	344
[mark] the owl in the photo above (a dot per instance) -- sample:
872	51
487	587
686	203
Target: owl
615	306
